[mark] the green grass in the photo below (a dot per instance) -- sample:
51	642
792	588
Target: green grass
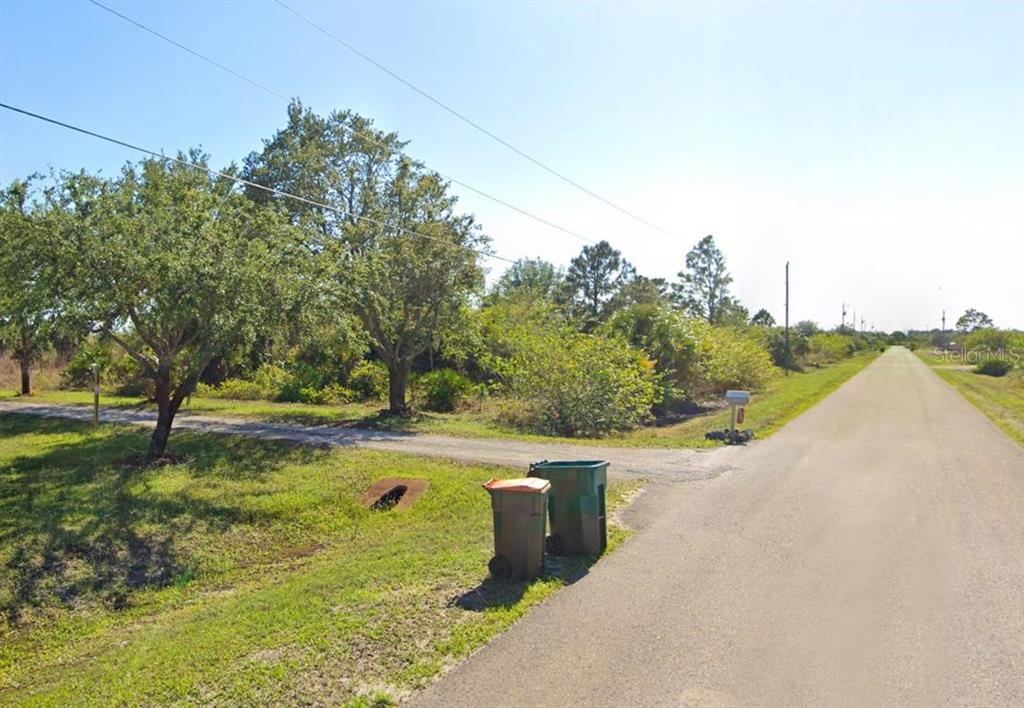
1001	398
246	572
785	398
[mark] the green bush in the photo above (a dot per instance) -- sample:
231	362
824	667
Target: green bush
234	389
443	390
369	380
119	373
831	347
670	340
267	384
731	359
578	385
994	367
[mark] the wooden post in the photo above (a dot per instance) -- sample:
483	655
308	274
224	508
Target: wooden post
95	395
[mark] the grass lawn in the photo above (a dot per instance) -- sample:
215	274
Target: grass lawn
1001	398
785	398
245	572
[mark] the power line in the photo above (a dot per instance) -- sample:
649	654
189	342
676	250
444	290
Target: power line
242	180
364	136
182	47
444	106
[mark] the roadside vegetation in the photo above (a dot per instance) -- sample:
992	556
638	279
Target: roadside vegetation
184	286
240	571
780	400
985	364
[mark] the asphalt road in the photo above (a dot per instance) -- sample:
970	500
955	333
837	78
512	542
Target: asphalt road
869	554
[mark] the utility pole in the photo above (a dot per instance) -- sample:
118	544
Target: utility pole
862	323
853	322
788	353
842	326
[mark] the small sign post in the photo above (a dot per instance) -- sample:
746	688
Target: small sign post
95	395
736	399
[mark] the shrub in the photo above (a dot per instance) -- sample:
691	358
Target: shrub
337	394
369	380
994	367
272	379
267	384
78	373
443	390
831	347
235	389
118	372
730	359
670	340
581	386
774	340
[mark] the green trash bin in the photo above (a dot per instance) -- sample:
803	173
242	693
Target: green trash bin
576	505
520	507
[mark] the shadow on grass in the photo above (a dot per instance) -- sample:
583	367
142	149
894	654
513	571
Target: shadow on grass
383	420
503	594
78	525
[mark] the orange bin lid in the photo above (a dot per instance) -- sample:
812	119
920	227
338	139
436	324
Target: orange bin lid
530	485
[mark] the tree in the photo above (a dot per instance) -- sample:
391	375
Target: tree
177	267
807	328
594	278
402	259
703	286
340	162
409	289
29	303
534	278
763	318
641	290
732	313
973	320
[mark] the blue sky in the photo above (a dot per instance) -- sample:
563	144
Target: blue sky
879	147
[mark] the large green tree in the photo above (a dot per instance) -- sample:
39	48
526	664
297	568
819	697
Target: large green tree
762	318
594	278
703	287
973	320
178	268
404	258
29	300
533	278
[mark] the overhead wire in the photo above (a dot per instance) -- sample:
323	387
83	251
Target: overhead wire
465	119
365	136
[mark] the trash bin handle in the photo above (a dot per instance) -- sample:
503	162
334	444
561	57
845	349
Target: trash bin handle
533	465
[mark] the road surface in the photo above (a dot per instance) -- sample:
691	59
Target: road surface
869	554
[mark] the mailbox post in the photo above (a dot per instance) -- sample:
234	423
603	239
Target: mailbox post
95	395
735	399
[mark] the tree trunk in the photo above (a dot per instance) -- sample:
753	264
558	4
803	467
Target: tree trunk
167	407
398	380
26	382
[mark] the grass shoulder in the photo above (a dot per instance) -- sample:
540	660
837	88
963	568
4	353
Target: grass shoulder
247	572
1001	398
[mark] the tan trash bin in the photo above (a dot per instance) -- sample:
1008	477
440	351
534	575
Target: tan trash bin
520	515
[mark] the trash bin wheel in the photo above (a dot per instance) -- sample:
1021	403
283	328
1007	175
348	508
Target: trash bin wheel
554	545
500	567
